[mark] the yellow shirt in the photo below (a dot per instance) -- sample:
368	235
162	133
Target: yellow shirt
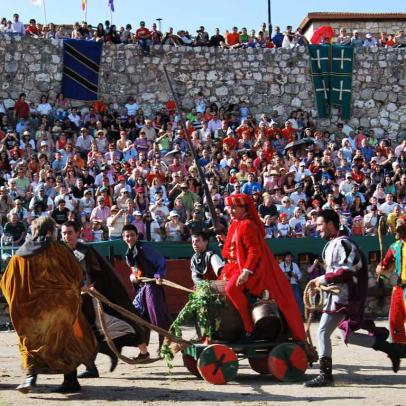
403	272
391	221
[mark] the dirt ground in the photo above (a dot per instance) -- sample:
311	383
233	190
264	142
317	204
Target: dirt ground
363	377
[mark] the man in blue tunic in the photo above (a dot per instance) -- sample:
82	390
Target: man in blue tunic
145	262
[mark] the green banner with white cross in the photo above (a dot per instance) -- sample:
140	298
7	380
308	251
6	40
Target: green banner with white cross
331	69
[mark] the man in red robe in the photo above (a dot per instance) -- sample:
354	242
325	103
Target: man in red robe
252	267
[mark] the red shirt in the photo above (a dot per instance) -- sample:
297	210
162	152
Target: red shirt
230	142
288	133
233	38
143	33
243	128
22	109
271	133
358	177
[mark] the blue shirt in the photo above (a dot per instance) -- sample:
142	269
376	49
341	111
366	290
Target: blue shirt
368	152
249	188
277	39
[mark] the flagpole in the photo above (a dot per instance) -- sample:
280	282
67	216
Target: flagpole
45	12
86	12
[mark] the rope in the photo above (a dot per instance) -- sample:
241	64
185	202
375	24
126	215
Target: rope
310	307
129	315
109	340
167	283
380	226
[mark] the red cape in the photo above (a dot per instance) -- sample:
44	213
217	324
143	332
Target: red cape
253	253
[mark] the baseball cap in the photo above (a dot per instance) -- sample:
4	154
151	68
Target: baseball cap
173	213
137	213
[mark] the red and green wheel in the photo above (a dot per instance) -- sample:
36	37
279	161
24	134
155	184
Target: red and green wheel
218	364
191	365
260	364
288	362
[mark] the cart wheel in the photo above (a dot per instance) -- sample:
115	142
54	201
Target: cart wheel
191	365
260	364
218	364
287	362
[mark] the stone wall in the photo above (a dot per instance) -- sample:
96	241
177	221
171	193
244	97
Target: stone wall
266	78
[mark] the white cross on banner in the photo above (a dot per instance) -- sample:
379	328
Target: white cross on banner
342	59
323	89
341	90
319	58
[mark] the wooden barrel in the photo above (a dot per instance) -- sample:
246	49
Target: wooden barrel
224	317
267	320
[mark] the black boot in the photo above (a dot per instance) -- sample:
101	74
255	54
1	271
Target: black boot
70	383
29	382
91	372
113	362
325	377
394	351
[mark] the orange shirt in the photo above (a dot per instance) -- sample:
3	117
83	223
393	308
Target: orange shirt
288	134
271	133
233	38
243	128
230	142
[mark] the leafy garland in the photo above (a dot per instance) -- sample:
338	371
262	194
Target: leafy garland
197	308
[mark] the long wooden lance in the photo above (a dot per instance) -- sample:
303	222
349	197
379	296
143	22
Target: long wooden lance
215	220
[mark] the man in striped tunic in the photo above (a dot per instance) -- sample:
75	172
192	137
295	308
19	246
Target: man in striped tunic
346	268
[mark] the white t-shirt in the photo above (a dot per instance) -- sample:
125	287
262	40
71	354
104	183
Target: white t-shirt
283	229
132	108
44	109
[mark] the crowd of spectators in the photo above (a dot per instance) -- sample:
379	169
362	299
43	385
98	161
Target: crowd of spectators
107	165
234	38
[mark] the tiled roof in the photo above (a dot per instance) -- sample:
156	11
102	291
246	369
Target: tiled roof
334	16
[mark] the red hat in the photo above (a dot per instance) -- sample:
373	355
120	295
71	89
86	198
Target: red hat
245	200
121	178
283	215
402	218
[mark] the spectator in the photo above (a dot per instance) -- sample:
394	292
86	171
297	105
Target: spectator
370	41
356	40
343	38
143	36
389	205
233	38
16	229
156	35
400	39
293	273
278	37
101	212
115	222
174	229
216	39
202	37
17	26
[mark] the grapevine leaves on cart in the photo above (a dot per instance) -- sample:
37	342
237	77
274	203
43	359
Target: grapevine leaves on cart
196	309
